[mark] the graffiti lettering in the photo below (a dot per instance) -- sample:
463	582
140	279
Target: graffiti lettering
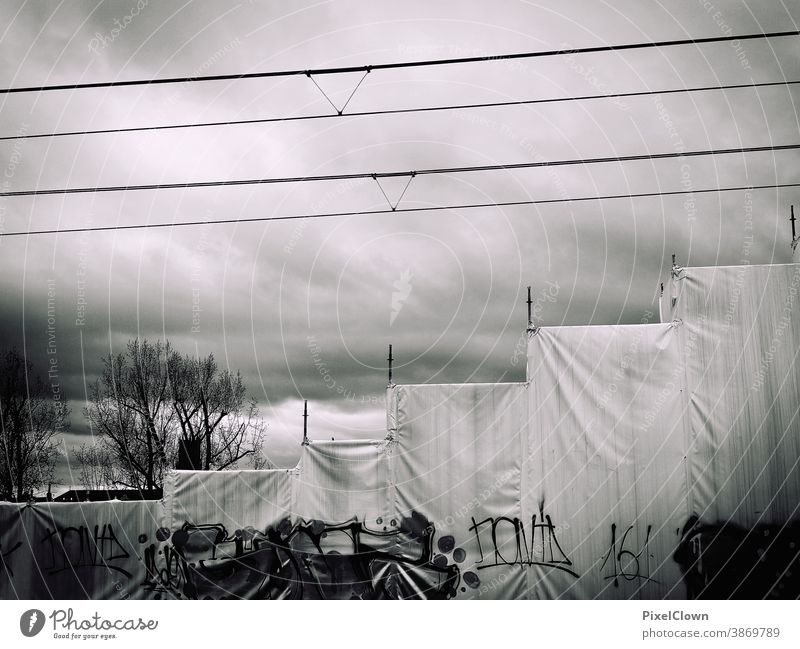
305	560
626	563
78	547
5	555
507	537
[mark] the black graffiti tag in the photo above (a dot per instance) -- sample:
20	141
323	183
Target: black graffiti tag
303	560
624	562
4	556
80	547
543	548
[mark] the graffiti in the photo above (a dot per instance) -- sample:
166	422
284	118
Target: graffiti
626	563
508	535
727	561
79	547
4	556
304	560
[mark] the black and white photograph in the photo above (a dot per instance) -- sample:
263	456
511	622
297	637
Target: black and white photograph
349	300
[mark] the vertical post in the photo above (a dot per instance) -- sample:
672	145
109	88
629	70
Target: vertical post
530	302
305	422
390	359
673	260
792	219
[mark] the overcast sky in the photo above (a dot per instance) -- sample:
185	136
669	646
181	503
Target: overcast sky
281	301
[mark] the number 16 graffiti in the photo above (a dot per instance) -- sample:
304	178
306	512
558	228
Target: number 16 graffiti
626	563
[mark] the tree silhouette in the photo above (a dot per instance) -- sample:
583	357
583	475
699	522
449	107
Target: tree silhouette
30	418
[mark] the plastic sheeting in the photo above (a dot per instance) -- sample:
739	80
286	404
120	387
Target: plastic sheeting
458	462
605	459
232	499
78	551
741	339
644	461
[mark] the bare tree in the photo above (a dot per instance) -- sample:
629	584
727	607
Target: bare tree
130	410
151	405
30	418
219	427
97	466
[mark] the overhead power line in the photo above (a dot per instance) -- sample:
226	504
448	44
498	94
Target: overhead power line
392	66
397	111
399	174
324	215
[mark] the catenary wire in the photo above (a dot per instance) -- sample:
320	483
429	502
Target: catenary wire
397	111
398	174
406	64
291	217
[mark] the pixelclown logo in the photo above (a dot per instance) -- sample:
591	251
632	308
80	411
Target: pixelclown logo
31	622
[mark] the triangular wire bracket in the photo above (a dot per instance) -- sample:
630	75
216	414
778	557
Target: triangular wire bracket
339	111
403	193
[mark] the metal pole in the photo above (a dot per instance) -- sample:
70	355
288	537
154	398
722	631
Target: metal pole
530	319
390	359
305	422
792	219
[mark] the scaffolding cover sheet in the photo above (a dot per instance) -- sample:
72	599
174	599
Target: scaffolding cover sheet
79	550
230	499
458	455
604	479
648	461
340	481
740	337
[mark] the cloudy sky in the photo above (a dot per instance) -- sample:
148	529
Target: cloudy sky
306	309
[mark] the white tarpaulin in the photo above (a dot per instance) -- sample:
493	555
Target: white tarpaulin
605	468
645	461
231	499
458	457
740	339
79	550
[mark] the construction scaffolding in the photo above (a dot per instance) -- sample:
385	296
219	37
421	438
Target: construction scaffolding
657	460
